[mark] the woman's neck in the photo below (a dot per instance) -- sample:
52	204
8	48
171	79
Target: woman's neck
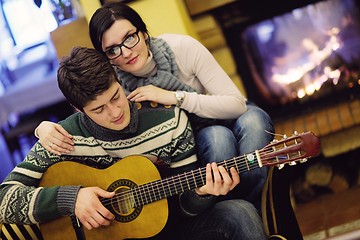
149	68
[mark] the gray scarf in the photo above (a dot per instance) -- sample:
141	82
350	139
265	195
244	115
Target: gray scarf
166	76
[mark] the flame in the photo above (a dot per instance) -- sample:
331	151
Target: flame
316	57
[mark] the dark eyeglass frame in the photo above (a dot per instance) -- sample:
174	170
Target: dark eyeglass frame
122	44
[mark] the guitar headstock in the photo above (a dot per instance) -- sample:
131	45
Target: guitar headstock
297	148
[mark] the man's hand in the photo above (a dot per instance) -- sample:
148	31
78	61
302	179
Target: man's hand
90	211
218	180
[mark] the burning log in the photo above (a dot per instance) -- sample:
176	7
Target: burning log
320	177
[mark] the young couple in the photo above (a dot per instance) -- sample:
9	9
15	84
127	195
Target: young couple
169	70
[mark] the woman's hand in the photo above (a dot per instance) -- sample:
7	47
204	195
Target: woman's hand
152	93
218	180
89	209
54	138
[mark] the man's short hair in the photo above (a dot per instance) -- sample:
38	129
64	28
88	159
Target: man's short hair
84	75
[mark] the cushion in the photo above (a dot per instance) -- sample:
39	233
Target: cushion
20	232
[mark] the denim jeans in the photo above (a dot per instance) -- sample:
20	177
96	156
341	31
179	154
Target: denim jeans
234	138
227	220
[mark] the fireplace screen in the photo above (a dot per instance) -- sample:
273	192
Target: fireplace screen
306	53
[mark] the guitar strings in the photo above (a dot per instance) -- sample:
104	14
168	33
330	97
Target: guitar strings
131	194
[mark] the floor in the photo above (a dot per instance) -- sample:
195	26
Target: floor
331	210
331	216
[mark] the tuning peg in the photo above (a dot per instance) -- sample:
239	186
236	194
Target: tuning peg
303	160
280	166
296	133
293	163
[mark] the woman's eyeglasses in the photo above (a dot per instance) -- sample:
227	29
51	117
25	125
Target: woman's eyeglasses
129	42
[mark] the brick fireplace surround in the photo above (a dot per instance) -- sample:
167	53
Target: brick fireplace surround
338	126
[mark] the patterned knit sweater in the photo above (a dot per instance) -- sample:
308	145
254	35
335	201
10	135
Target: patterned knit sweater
154	129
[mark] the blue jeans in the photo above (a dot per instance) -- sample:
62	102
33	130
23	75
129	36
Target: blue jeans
227	220
234	138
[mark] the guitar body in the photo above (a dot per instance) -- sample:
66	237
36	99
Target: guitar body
142	222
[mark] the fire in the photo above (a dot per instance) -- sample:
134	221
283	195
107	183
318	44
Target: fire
312	71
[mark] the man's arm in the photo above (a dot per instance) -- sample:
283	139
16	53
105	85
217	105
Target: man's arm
183	159
190	202
22	201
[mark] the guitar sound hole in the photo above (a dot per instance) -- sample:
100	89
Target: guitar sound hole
123	203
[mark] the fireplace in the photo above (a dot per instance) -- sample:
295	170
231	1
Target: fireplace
300	61
300	55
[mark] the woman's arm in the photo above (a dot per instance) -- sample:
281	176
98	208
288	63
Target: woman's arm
54	138
217	96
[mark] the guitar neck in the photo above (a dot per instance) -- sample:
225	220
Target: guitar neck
157	190
278	152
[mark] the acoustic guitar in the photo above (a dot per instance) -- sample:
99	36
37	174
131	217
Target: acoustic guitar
140	203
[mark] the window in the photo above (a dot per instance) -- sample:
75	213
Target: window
28	24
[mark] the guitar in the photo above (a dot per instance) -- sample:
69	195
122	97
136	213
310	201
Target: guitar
140	205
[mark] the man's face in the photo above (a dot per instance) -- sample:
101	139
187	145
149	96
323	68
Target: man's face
110	109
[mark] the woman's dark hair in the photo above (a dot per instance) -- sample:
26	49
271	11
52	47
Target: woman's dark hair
84	75
104	18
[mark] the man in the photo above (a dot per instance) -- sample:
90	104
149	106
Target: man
106	129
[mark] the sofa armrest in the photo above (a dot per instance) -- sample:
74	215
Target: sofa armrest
20	232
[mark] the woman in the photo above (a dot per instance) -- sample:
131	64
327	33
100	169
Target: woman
177	69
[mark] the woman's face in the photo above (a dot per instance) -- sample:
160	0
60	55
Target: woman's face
130	60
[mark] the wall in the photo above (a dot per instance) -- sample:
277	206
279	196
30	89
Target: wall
212	37
89	7
72	34
171	17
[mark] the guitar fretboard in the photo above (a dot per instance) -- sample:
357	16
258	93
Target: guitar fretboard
157	190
